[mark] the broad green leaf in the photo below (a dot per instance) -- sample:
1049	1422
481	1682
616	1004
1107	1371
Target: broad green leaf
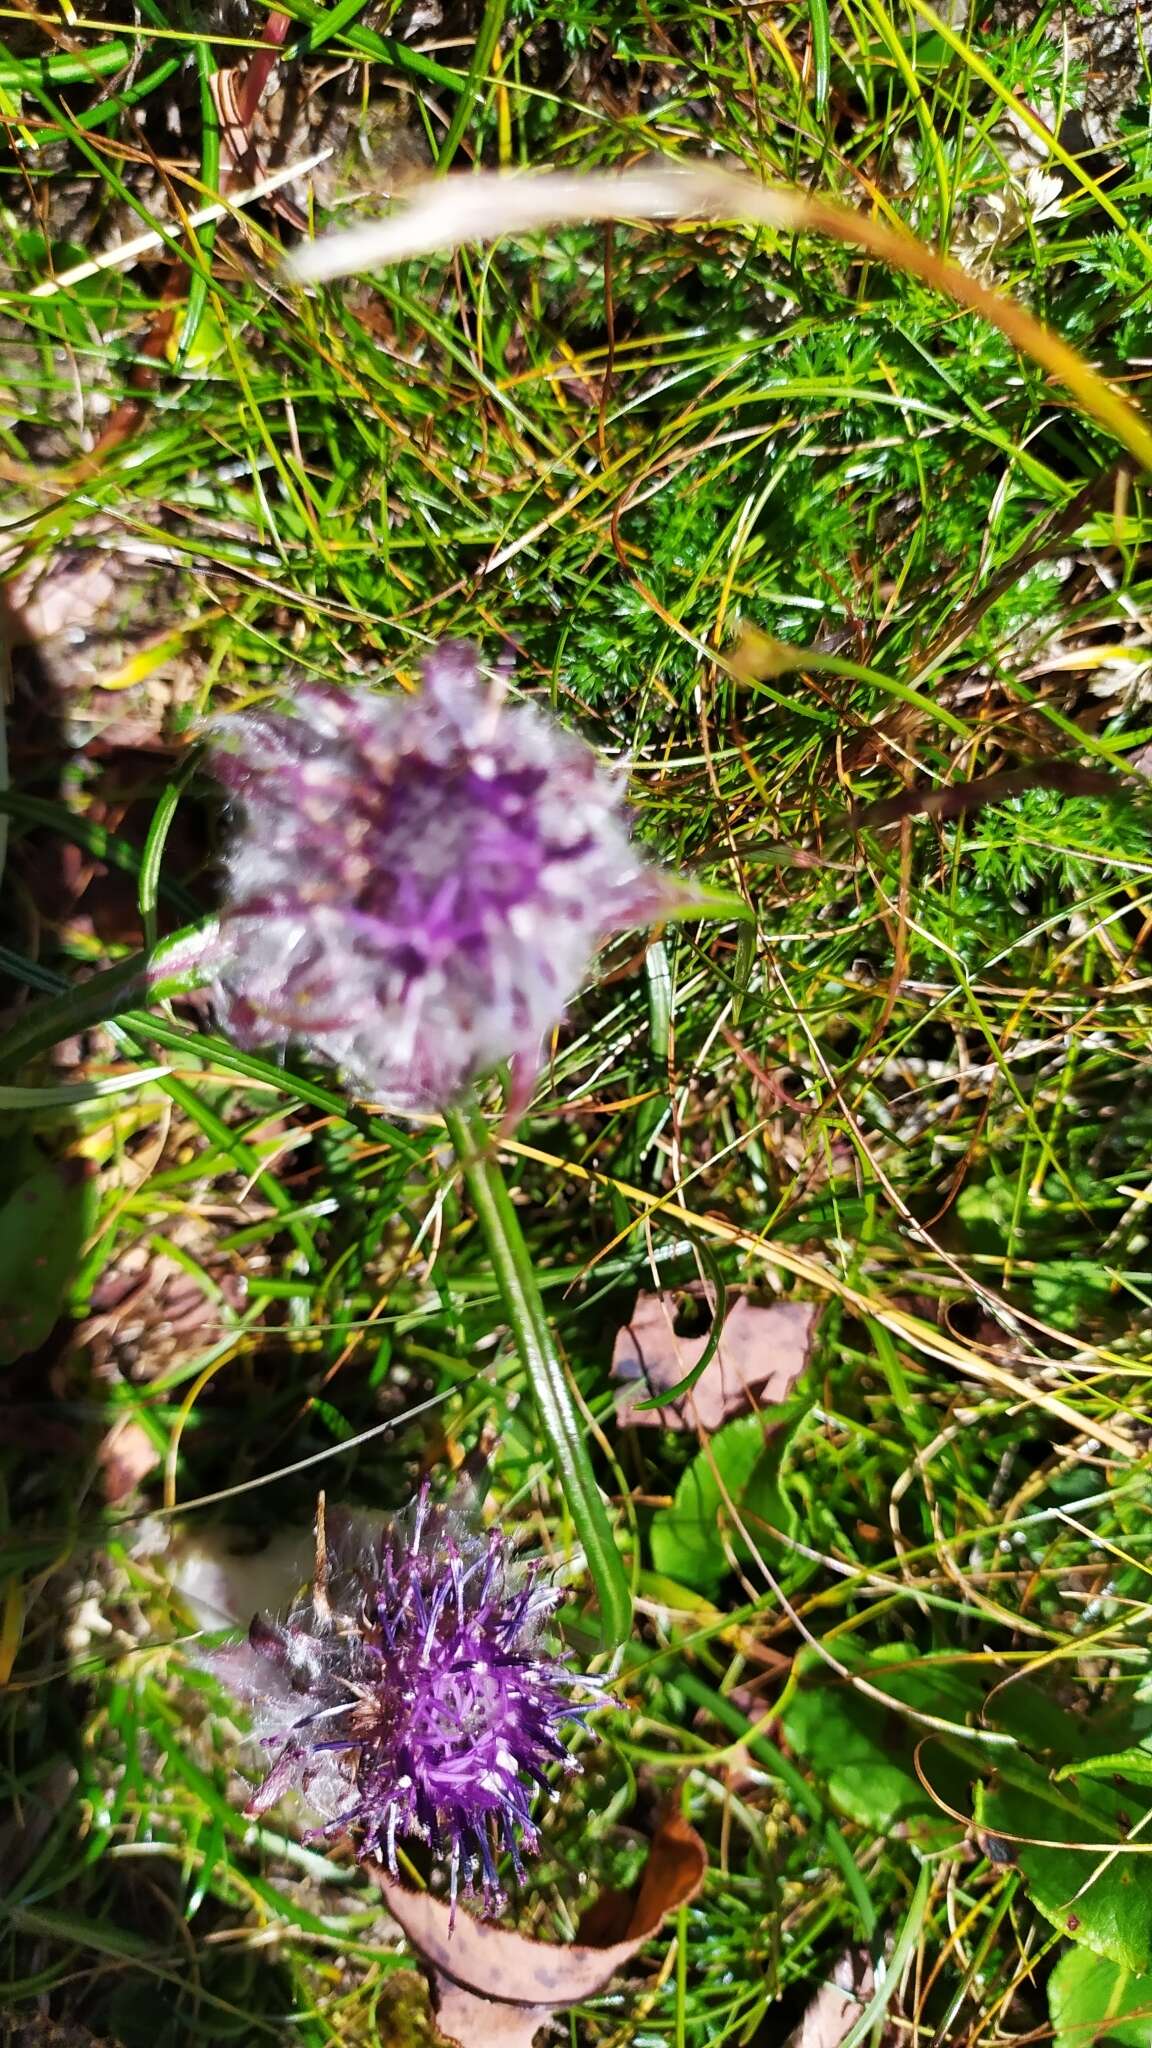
1069	1840
864	1754
742	1463
1095	2003
42	1226
1050	1732
986	1209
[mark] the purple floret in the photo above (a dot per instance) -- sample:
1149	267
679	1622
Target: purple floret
417	885
410	1697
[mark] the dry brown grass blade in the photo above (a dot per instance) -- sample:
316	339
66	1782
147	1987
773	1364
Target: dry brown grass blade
443	214
923	1337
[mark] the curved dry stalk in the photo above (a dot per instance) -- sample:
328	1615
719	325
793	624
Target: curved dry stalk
444	213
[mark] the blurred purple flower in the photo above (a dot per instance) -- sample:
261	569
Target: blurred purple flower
417	885
410	1696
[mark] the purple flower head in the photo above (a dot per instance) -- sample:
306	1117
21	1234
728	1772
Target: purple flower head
410	1695
418	884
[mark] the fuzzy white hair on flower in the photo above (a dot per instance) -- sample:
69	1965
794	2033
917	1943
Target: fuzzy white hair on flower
417	884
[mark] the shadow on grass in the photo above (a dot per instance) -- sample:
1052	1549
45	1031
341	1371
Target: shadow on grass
144	1233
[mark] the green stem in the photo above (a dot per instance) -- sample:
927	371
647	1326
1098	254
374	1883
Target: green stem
80	1008
100	999
804	1795
526	1314
482	55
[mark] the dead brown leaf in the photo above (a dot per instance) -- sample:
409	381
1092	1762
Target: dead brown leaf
837	2005
494	1988
760	1356
127	1455
69	597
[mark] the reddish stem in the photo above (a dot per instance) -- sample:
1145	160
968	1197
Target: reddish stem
260	67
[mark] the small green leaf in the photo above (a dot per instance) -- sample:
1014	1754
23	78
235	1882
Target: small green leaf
1066	1291
42	1226
1095	2003
338	1425
743	1463
985	1208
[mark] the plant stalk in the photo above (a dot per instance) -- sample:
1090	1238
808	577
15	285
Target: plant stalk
528	1319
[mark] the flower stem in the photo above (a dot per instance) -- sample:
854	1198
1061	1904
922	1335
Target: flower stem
526	1314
